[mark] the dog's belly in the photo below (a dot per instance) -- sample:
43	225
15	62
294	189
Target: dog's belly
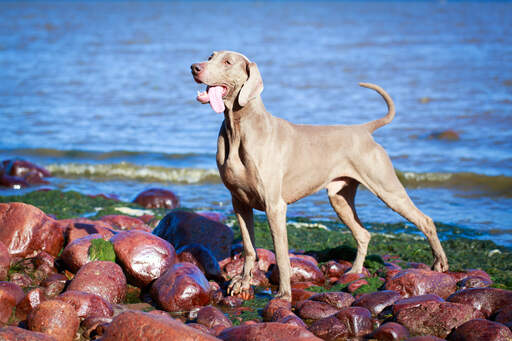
241	184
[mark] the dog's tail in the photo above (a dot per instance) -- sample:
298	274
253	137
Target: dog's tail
374	125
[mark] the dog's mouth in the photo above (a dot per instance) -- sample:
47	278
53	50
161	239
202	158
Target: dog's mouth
213	95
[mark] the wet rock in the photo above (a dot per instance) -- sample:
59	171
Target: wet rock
459	276
94	326
352	287
202	257
415	282
126	223
473	282
157	198
480	329
13	290
136	325
301	271
201	328
377	301
182	287
11	333
281	313
55	318
436	318
349	277
299	295
216	295
182	228
269	331
213	318
338	299
350	322
305	257
26	230
424	338
29	302
143	256
7	304
292	319
334	269
390	331
314	310
273	305
80	227
21	279
215	216
102	278
232	301
76	253
504	315
87	304
12	181
5	262
54	284
487	300
415	301
25	172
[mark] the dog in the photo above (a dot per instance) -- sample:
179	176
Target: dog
267	163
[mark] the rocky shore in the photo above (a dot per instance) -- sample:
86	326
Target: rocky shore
75	267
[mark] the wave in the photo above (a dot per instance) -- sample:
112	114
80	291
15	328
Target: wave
475	184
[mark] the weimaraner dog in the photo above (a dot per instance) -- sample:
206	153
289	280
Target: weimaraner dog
268	163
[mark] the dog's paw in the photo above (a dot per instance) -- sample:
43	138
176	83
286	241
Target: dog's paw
287	296
440	264
241	287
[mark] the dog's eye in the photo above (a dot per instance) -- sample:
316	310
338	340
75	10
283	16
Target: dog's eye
227	62
210	58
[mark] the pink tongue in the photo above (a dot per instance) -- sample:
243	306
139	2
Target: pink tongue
215	95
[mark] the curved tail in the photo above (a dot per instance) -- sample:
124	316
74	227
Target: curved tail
374	125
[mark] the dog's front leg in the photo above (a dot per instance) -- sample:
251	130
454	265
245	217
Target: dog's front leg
276	215
241	284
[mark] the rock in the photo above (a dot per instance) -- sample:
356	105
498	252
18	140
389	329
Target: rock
94	326
273	305
5	262
7	304
424	338
435	318
314	310
487	300
216	295
157	198
54	284
14	182
390	331
22	173
143	256
292	319
55	318
202	257
13	290
447	135
102	278
415	282
80	227
213	318
29	302
87	304
349	278
338	299
182	228
414	301
136	325
299	295
26	231
459	276
303	256
201	328
377	301
182	287
76	253
232	301
215	216
11	333
126	223
302	271
504	315
348	323
352	287
480	329
473	282
21	279
268	331
334	269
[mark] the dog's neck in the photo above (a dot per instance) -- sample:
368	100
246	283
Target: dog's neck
235	115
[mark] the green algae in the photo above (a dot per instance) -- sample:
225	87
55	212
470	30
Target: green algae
101	249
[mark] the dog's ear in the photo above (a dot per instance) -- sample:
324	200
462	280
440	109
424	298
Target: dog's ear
252	87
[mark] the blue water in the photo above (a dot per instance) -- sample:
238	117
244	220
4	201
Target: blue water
90	84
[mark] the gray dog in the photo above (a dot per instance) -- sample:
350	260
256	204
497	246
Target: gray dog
268	163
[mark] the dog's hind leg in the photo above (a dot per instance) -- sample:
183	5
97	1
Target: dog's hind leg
342	194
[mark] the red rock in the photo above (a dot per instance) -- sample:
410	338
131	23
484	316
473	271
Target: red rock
236	266
435	318
80	227
102	278
415	282
390	331
232	301
480	329
202	257
350	277
377	301
334	269
29	302
213	318
305	257
7	304
487	300
458	276
215	216
414	301
13	290
216	295
94	326
5	261
301	271
26	231
182	287
54	284
136	325
201	328
352	287
157	198
126	223
76	253
21	279
144	256
350	322
23	168
181	228
273	305
338	300
11	333
299	295
55	318
294	320
473	282
424	338
268	331
314	310
504	315
12	181
86	304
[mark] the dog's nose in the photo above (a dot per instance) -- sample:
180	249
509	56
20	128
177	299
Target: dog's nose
196	68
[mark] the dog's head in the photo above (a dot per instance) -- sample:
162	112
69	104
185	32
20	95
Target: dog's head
230	79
